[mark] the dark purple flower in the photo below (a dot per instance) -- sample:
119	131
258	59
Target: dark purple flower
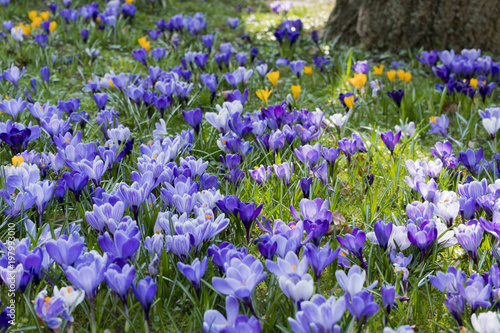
305	185
397	96
383	233
76	182
320	258
470	159
428	58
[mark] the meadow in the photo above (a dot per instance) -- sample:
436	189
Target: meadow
216	166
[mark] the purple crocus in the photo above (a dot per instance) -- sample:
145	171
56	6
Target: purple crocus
297	67
145	292
76	182
120	279
50	308
330	154
193	118
348	147
390	140
354	243
428	58
233	22
307	319
439	125
215	322
88	273
140	55
361	306
261	174
422	236
45	73
247	214
65	250
305	186
469	236
194	272
397	96
383	233
388	293
100	100
320	258
242	276
13	75
124	241
470	159
13	107
284	172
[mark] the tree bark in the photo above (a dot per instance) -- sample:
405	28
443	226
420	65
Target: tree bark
401	24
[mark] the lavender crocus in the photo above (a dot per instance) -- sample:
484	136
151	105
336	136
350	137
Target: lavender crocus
383	233
390	140
193	118
439	125
194	272
215	322
65	250
88	273
284	172
470	159
261	174
120	279
361	306
307	319
354	243
145	292
422	236
320	258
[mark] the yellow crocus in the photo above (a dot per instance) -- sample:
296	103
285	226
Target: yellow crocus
378	70
144	43
52	26
129	1
296	91
401	74
473	83
358	81
391	75
274	77
45	15
26	28
98	19
32	15
349	101
17	160
308	70
407	77
263	94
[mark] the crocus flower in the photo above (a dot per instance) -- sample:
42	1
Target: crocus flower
120	279
361	67
50	308
273	77
320	258
215	322
428	58
307	319
352	283
123	243
284	172
194	272
13	75
242	276
388	297
470	159
297	67
390	140
65	250
469	236
233	22
358	81
348	147
247	214
305	185
485	322
397	96
76	182
193	118
354	243
13	107
88	273
439	125
422	236
261	174
383	232
361	305
145	292
476	293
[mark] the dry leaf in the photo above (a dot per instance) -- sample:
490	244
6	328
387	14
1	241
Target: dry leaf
338	224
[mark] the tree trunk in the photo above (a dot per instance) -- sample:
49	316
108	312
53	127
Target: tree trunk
395	24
